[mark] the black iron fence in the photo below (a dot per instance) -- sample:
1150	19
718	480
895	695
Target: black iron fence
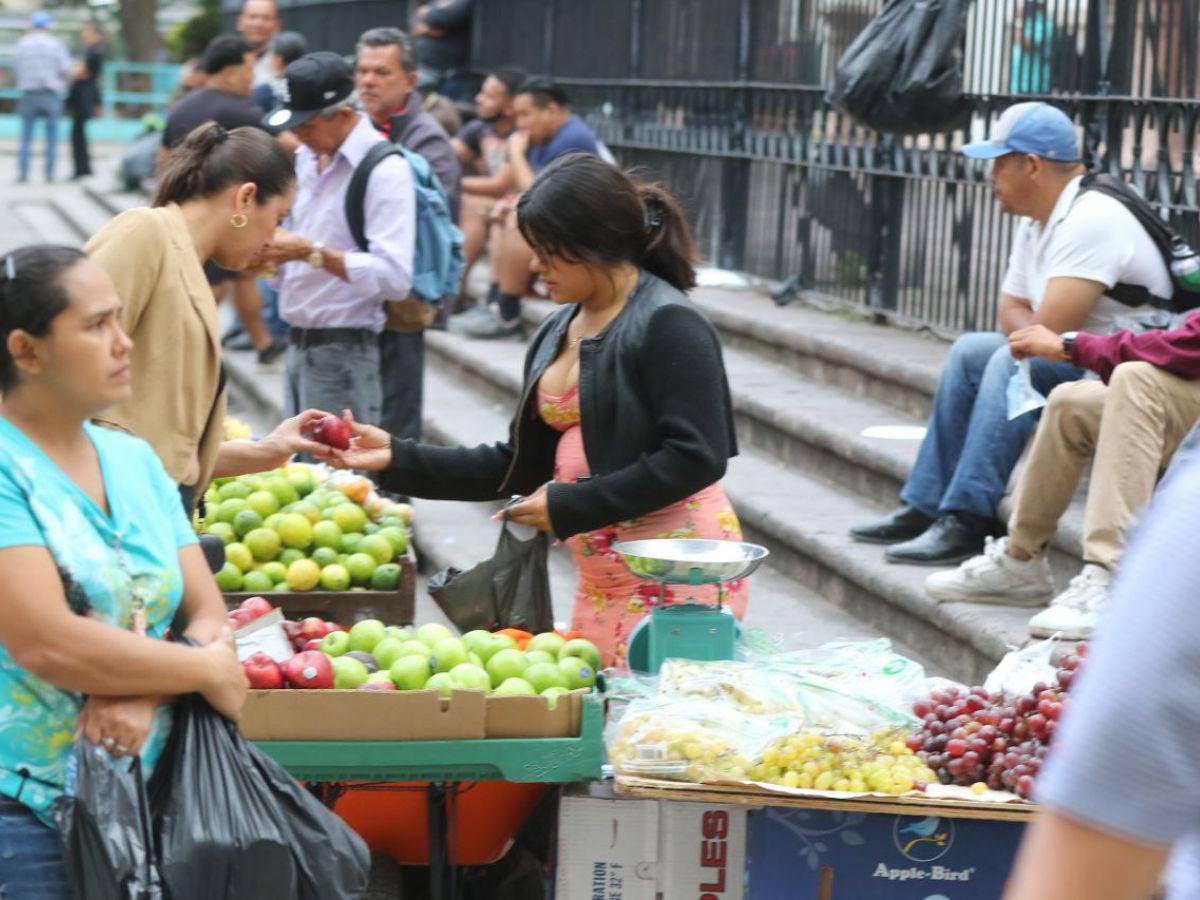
722	99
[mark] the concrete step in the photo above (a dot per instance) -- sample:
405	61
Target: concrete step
804	520
83	213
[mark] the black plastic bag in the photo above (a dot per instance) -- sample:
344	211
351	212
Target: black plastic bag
232	823
510	590
904	72
105	826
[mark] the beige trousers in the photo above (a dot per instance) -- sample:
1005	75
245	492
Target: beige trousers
1132	427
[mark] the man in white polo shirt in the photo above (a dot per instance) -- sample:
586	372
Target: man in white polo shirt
1070	248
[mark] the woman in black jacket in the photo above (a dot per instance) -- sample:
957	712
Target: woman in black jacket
625	424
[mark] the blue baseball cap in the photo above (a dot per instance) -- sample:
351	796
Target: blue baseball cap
1037	128
41	19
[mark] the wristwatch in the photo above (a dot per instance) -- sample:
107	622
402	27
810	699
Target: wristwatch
1068	342
316	256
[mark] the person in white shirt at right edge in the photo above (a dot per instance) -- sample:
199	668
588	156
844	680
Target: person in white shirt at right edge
1070	248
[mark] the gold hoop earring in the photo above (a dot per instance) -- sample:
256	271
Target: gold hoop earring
239	220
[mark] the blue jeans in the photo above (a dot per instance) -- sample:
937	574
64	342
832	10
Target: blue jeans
31	860
971	447
32	106
270	310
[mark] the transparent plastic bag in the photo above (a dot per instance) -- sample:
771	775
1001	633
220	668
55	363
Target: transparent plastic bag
1023	397
1021	669
690	739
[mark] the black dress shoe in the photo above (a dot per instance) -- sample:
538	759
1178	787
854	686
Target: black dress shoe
904	524
947	542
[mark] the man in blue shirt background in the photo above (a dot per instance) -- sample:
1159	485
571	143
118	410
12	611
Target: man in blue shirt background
546	130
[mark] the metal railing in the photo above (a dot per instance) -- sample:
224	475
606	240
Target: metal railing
723	100
127	88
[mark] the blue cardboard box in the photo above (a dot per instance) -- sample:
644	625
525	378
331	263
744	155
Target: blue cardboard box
820	854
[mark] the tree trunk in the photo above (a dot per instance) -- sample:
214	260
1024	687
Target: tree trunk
138	29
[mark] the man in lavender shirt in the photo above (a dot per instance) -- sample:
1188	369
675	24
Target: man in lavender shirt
332	294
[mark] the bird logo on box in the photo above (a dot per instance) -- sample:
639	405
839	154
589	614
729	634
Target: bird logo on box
923	840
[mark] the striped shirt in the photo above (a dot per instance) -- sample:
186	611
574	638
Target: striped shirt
42	63
1125	760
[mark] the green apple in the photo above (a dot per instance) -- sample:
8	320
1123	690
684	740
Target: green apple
448	653
475	658
515	687
552	694
470	677
416	648
366	634
548	641
545	675
383	675
534	657
348	673
336	643
577	672
473	639
493	645
409	673
432	632
582	649
388	651
395	631
442	683
505	664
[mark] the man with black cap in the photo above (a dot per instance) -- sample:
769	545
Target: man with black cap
332	293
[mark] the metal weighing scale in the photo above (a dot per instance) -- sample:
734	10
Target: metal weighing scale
686	629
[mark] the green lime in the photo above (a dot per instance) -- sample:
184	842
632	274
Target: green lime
240	556
324	556
229	579
281	489
378	546
335	578
350	517
257	582
282	588
224	531
276	570
351	541
234	490
386	577
229	509
370	528
398	535
290	555
361	567
264	503
246	521
263	543
327	534
295	531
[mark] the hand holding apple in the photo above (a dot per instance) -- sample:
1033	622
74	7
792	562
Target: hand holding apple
291	437
370	448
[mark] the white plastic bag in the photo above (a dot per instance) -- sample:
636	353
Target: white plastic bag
1021	669
1023	397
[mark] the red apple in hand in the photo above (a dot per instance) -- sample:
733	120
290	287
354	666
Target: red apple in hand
262	672
330	431
309	669
256	606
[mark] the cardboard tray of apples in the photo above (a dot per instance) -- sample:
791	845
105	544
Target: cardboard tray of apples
316	680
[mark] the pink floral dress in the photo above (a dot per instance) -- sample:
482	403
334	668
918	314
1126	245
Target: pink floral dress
609	599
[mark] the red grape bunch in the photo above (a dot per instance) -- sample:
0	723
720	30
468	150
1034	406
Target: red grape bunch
974	737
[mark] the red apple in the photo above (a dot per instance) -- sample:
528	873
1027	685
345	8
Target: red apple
314	644
262	672
240	618
330	431
313	628
256	606
291	629
310	669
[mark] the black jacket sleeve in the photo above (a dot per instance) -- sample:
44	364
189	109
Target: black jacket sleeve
447	473
682	378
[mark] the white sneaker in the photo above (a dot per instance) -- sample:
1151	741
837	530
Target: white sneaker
994	577
1075	611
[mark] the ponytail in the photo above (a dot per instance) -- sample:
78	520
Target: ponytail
211	159
581	209
670	251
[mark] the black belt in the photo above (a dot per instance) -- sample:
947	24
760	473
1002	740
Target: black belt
312	337
8	804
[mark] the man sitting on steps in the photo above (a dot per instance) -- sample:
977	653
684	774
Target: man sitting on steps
1070	249
1130	426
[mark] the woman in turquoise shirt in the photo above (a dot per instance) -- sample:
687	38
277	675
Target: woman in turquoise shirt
97	561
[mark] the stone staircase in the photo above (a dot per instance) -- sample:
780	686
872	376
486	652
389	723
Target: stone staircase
807	384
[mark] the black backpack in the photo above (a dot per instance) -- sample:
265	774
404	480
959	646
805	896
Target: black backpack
1180	259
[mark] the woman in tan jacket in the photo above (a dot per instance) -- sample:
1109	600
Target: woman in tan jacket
220	198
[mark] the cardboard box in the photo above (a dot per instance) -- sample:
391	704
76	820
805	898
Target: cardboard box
822	854
531	717
291	715
618	849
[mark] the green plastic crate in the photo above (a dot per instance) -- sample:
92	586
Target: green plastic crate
546	760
